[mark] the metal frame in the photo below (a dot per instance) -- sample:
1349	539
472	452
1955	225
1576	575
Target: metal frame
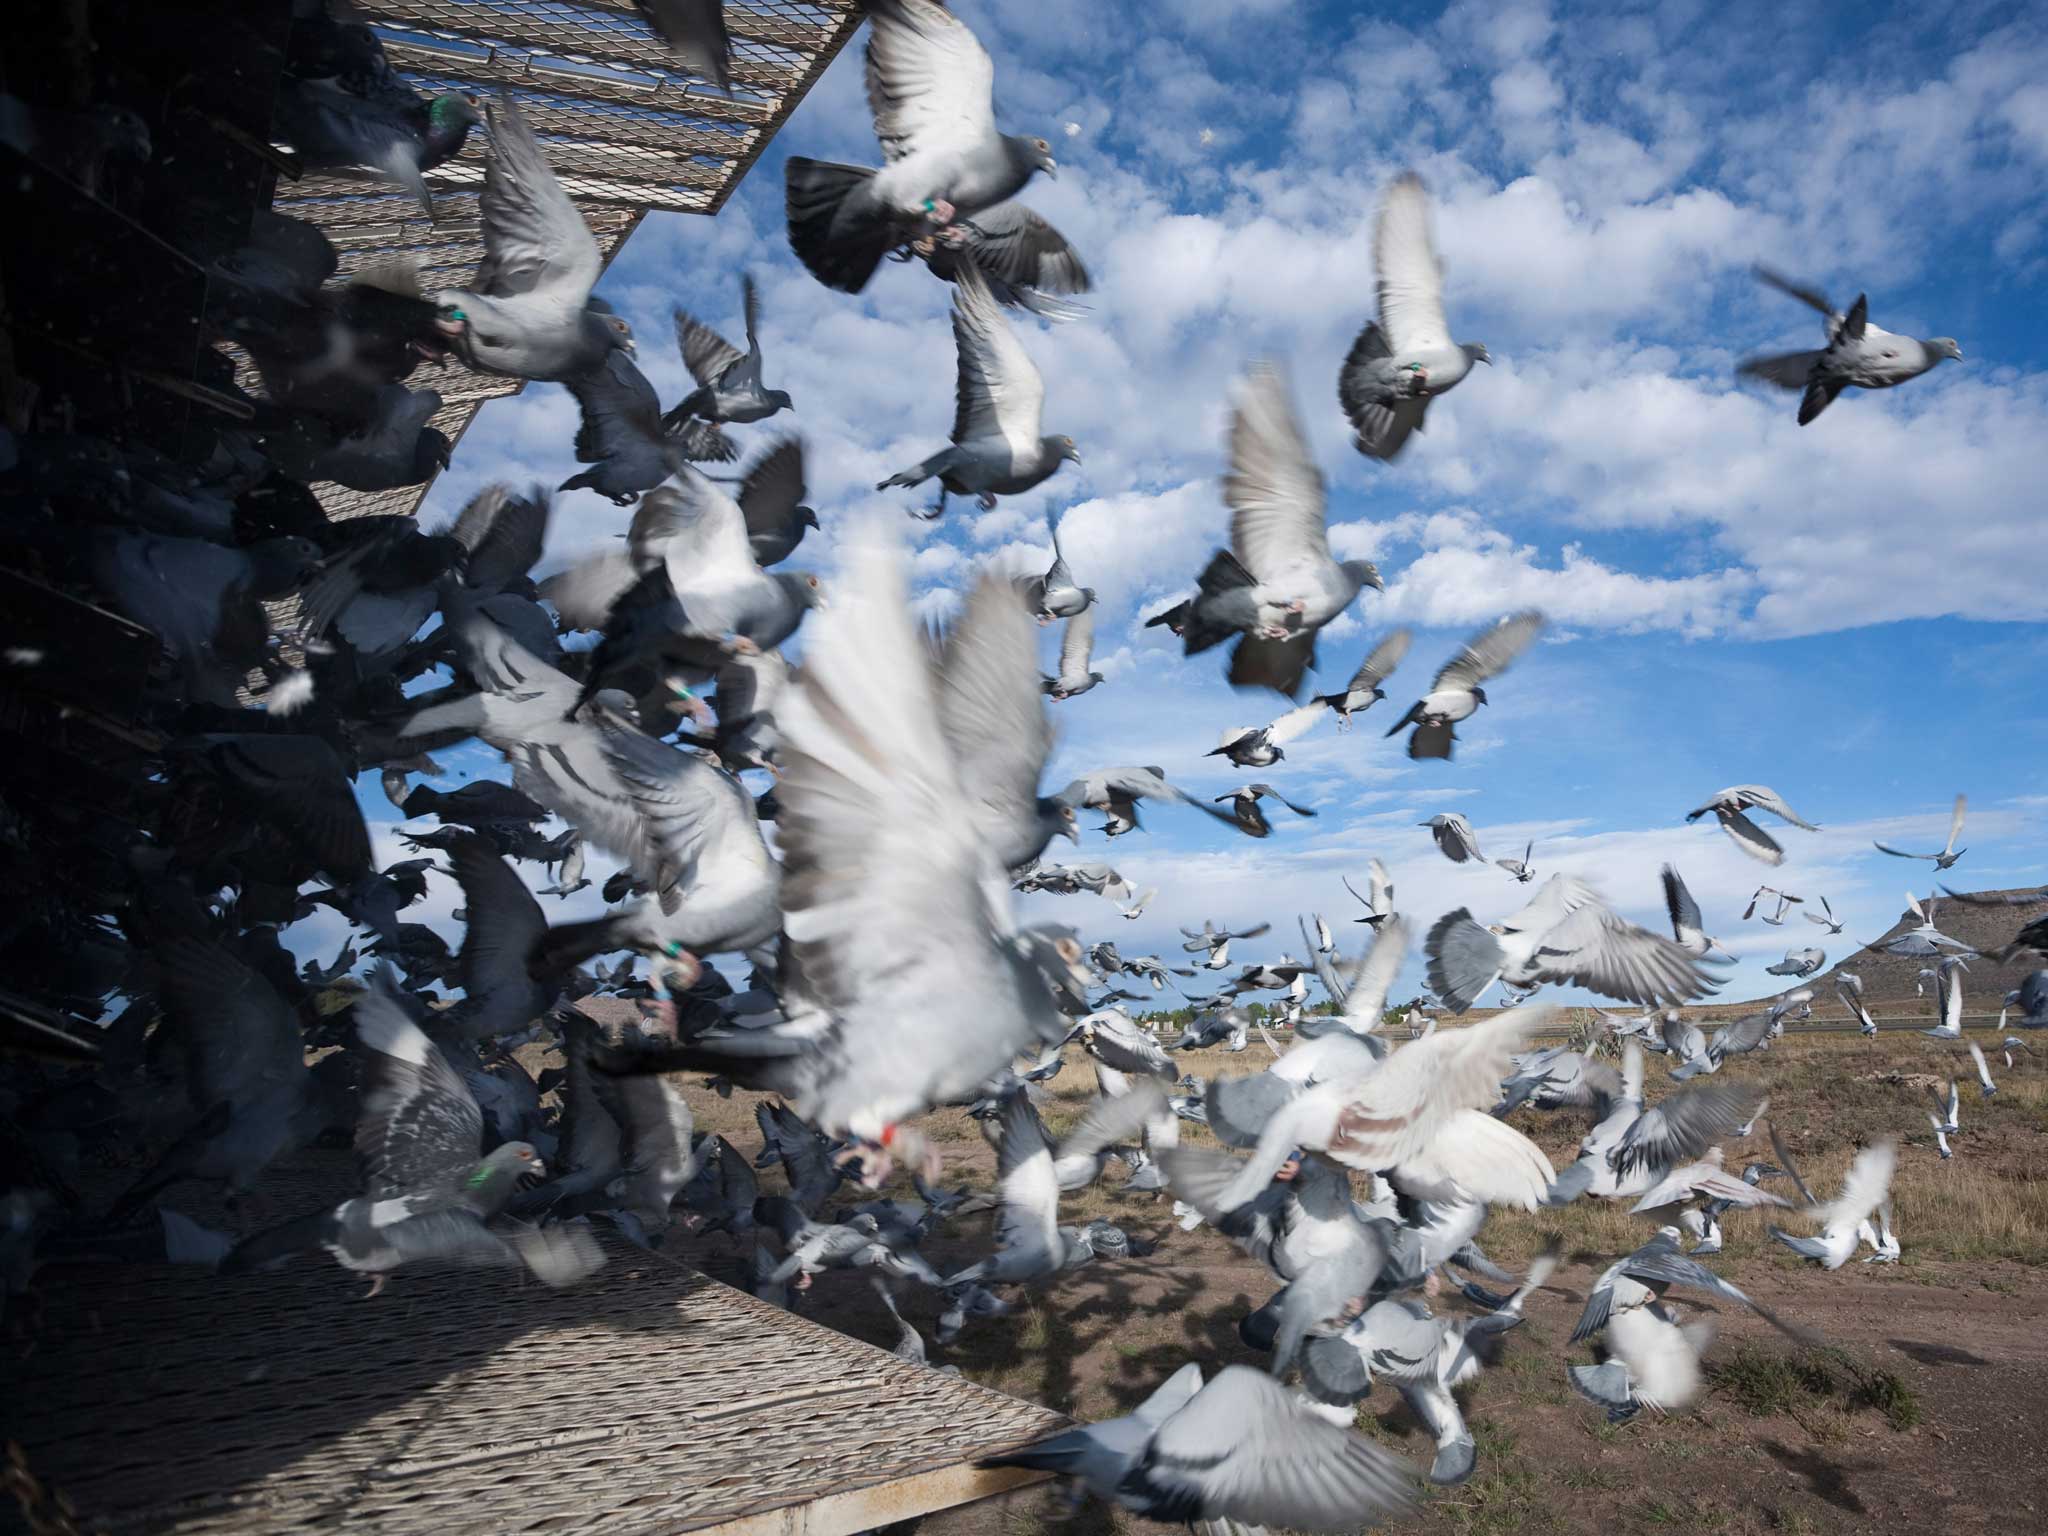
627	128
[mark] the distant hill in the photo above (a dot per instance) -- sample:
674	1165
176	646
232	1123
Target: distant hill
1889	979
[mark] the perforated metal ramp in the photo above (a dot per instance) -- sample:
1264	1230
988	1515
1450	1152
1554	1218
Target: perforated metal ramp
650	1399
626	127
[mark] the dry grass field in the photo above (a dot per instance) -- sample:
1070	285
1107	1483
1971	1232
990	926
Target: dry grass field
1926	1407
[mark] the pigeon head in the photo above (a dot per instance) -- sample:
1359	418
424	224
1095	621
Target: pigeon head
1037	154
1064	446
450	116
806	518
1940	347
1479	693
779	399
505	1167
804	587
1365	573
618	334
1476	352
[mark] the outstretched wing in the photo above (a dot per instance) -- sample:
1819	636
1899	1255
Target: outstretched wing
1411	279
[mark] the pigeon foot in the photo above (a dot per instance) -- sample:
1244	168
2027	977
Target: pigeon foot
376	1285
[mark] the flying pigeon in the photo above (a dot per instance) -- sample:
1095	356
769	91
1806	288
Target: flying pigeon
771	501
1278	584
1241	1449
1244	806
528	316
1407	356
1685	916
930	89
1728	806
1949	852
1866	1187
1565	934
1798	962
1261	746
1857	353
1025	261
1455	837
429	1195
1363	691
729	387
1055	594
1077	643
1520	868
695	32
1456	694
998	444
1830	922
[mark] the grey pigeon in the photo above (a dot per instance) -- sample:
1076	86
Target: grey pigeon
340	104
1116	792
1242	1449
1244	806
388	447
1923	940
1055	595
1363	691
1641	1279
695	33
1400	362
1262	746
1077	644
620	435
1520	868
771	501
1728	806
1949	851
1455	837
729	384
1798	962
1857	353
1830	922
1565	934
1456	693
998	448
930	89
1026	262
1278	583
427	1196
527	315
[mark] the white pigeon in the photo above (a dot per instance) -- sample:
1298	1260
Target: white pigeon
1728	805
1406	357
1984	1082
1866	1187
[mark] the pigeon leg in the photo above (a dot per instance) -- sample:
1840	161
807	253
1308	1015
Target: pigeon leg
738	645
376	1284
941	212
986	501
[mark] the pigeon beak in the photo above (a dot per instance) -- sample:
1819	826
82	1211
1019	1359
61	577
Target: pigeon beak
632	347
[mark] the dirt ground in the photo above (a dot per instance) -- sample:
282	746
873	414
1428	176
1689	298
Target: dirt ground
1926	1409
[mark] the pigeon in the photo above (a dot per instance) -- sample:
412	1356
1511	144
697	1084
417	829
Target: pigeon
1379	903
1054	595
1244	806
1261	746
1685	917
695	33
527	316
1949	851
621	434
930	90
1278	584
1923	940
1728	806
1867	1186
428	1194
1642	1278
1565	934
1077	644
1879	1236
1949	999
1985	1086
1857	353
1520	868
729	387
1798	962
1849	988
1829	922
771	501
340	105
998	449
1116	792
1241	1449
890	894
1363	691
1025	261
1407	356
1456	694
1630	1148
1455	837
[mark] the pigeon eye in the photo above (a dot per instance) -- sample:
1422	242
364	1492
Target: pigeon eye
526	1155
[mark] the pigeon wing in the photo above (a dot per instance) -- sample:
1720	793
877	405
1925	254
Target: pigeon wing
535	242
773	488
930	82
705	353
1491	651
992	710
1276	495
1380	662
999	392
1411	279
419	1132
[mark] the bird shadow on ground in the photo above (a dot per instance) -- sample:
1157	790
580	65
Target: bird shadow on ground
1935	1354
1825	1479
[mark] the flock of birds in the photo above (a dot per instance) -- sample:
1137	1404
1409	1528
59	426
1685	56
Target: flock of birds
907	802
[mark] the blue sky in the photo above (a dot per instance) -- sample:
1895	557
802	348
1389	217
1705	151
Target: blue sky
1855	613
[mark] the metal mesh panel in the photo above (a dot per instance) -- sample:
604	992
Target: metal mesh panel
647	1399
625	125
